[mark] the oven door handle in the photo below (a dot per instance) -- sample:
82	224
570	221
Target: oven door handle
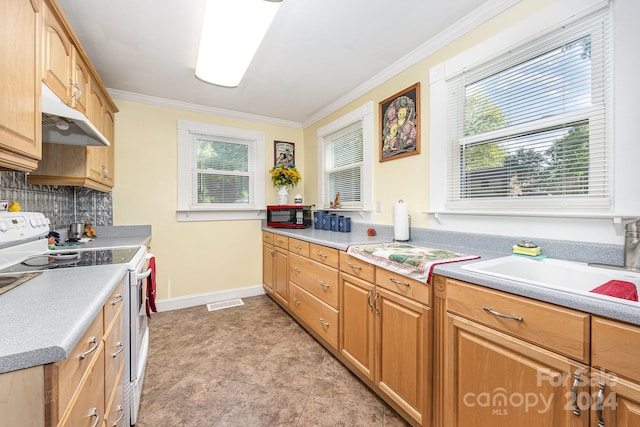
144	275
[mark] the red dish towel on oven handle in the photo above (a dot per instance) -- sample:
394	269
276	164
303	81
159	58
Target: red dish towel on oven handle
151	286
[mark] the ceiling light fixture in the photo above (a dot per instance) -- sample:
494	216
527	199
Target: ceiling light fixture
232	30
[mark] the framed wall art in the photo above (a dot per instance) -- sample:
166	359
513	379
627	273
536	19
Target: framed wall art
400	124
284	153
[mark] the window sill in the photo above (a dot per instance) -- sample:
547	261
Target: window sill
220	215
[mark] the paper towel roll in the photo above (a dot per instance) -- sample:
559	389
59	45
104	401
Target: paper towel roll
401	221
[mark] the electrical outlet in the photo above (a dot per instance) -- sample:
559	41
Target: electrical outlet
379	206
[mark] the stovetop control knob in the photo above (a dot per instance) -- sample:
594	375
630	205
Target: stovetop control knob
3	226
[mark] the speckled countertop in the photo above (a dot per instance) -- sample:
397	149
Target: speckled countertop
489	247
42	320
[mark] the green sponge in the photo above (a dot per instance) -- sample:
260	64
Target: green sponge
535	251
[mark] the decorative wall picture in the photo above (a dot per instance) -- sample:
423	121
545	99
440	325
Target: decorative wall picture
400	124
284	154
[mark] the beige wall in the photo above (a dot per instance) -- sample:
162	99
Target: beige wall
192	257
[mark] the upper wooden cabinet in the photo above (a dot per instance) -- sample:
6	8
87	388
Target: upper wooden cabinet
20	110
67	71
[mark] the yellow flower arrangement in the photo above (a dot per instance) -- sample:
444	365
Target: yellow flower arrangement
284	176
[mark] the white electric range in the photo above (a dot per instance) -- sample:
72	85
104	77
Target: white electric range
24	249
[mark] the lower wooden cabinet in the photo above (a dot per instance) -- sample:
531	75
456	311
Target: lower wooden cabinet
319	316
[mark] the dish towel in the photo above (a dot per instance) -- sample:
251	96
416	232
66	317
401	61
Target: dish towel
151	287
618	289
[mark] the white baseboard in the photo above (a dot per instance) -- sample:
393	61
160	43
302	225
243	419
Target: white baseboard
202	299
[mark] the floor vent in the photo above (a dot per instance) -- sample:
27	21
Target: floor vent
225	304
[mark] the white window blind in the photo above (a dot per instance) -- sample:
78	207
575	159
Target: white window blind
344	164
531	126
220	170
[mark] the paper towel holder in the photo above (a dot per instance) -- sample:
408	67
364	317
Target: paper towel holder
409	225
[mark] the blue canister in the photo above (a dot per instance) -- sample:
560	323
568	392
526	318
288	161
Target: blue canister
317	220
341	223
347	225
334	222
326	222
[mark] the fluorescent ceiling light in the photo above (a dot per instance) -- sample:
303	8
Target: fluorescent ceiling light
232	30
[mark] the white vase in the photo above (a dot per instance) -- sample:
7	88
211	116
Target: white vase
283	195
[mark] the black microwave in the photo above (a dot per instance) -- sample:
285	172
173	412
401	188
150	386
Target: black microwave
289	216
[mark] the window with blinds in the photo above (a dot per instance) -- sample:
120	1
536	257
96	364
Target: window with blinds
530	127
220	170
344	159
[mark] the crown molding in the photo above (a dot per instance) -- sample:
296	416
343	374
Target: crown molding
197	108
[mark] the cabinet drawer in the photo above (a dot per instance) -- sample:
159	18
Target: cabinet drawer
113	353
267	237
113	305
403	285
325	255
299	247
89	404
615	347
318	279
68	373
356	267
114	414
559	329
320	317
281	241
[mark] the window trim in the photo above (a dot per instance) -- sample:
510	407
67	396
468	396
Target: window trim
520	34
364	114
186	210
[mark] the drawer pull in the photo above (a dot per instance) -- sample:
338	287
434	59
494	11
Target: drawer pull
397	282
323	322
119	299
296	270
280	241
505	316
369	299
321	255
121	410
298	247
94	413
357	267
95	343
574	394
295	301
120	348
324	285
600	404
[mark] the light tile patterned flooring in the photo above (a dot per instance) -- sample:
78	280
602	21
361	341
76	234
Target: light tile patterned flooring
251	365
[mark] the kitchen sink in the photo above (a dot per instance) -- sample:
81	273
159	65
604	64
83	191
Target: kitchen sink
564	275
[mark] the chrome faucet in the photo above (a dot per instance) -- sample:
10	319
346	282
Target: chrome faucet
632	245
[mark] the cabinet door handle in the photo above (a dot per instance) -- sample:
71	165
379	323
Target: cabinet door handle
357	267
599	404
94	413
119	298
323	322
324	285
369	299
95	343
295	301
120	348
574	394
505	316
375	303
121	410
397	282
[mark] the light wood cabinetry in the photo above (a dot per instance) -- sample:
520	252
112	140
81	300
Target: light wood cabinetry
615	373
275	265
386	333
68	72
20	62
268	261
496	369
22	397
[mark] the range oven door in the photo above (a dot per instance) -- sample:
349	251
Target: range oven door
138	315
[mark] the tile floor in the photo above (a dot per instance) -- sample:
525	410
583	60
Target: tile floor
251	365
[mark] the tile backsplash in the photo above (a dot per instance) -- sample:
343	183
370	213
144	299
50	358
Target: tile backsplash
61	204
